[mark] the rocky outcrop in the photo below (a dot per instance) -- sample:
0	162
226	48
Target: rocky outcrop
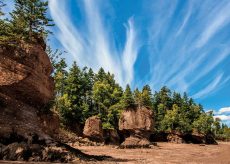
93	129
194	137
25	88
175	137
199	138
25	74
28	129
136	124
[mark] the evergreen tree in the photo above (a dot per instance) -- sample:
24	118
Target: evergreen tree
71	109
59	74
138	97
147	96
101	75
88	103
29	18
128	100
176	99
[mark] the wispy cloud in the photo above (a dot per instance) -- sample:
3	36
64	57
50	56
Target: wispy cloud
93	45
130	51
209	88
222	18
184	50
187	42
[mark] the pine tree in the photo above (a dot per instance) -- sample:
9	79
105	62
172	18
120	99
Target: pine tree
128	100
59	69
29	18
147	96
87	93
72	112
101	75
138	97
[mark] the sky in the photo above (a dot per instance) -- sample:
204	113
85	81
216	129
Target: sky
184	45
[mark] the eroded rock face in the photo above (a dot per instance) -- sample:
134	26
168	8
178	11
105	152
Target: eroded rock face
25	74
175	137
25	87
136	125
93	129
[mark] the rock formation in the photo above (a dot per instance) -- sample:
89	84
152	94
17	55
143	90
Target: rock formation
25	74
93	129
136	124
175	137
27	128
25	88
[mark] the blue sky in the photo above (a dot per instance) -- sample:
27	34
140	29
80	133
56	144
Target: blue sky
181	44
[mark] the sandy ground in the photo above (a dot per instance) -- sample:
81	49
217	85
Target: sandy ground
164	153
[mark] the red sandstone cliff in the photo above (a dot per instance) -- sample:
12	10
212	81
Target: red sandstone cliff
25	87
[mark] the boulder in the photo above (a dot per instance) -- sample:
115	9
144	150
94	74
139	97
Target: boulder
136	119
136	124
175	137
16	151
93	129
135	142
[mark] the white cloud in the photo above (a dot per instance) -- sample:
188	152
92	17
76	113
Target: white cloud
93	46
223	117
130	51
224	110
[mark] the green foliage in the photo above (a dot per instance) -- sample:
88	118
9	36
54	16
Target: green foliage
29	18
221	130
138	97
176	113
204	123
6	27
80	93
143	98
128	99
176	120
107	95
28	22
147	96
